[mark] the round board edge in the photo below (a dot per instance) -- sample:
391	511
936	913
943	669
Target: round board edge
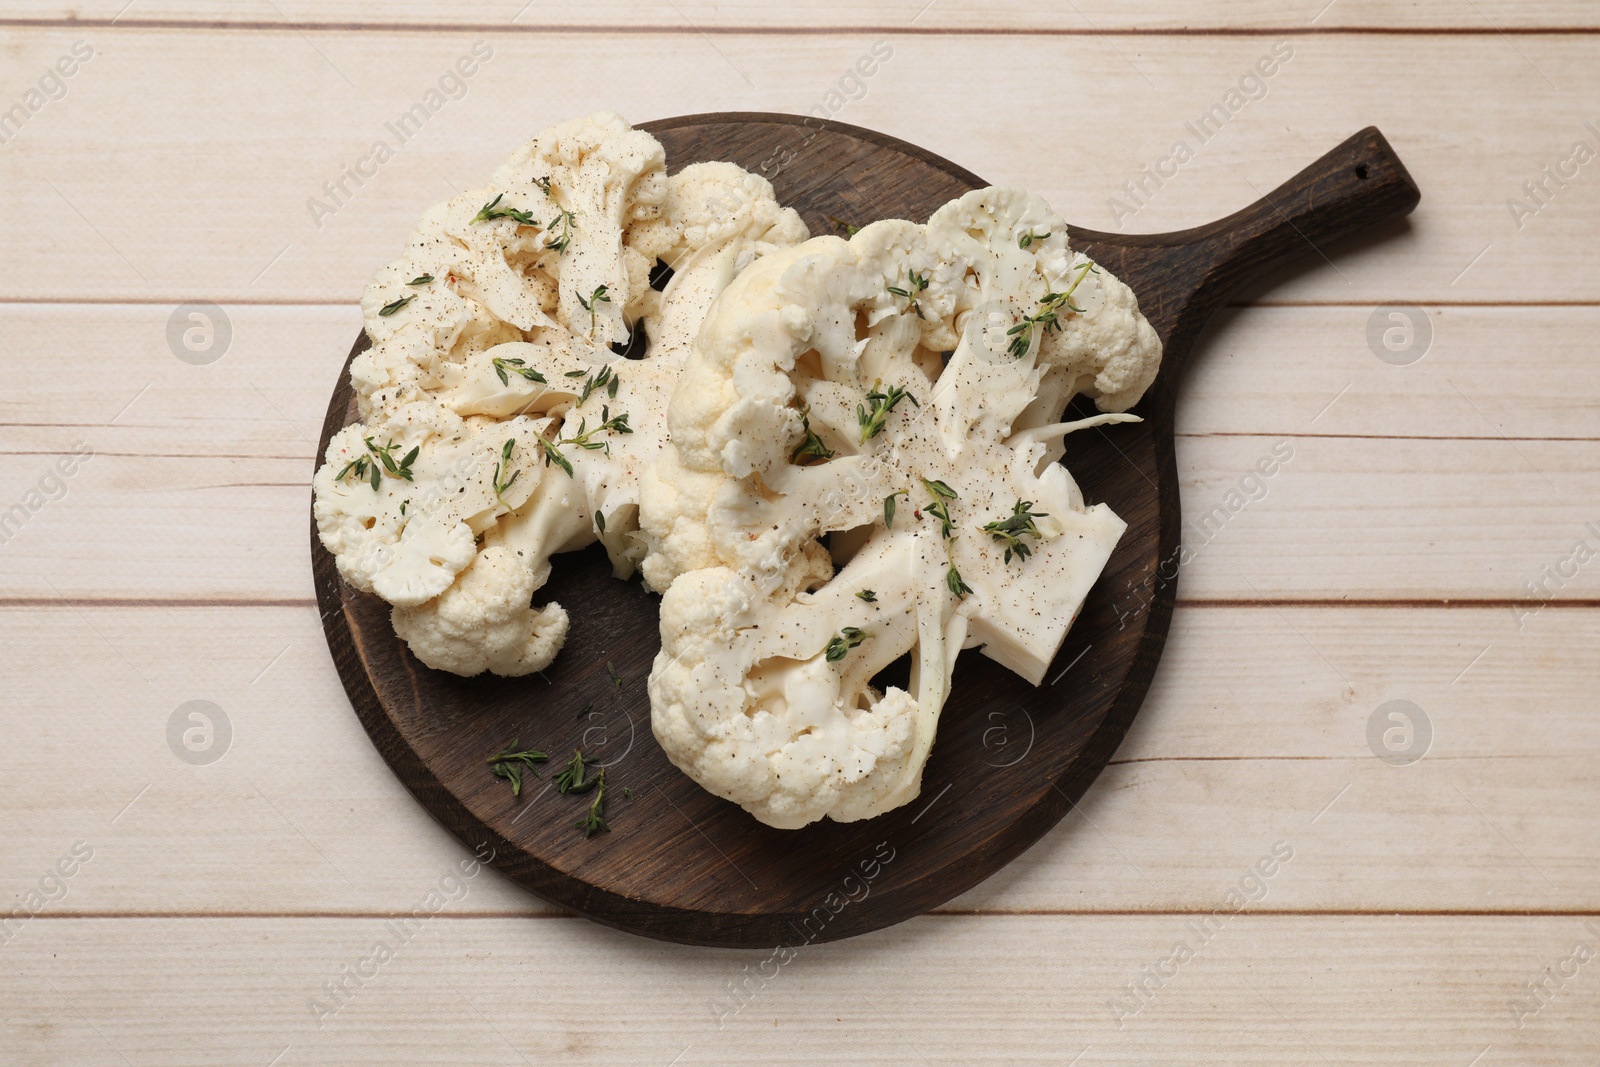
687	926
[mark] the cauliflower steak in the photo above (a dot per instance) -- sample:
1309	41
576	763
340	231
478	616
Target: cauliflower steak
888	406
500	423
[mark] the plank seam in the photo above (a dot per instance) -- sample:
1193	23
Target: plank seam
691	30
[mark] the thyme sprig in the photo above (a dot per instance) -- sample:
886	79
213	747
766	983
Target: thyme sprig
1047	316
608	424
591	305
1028	238
811	448
1010	531
378	462
594	820
939	507
395	305
889	506
867	595
491	211
912	292
552	454
603	380
953	579
873	418
574	776
505	463
840	646
421	279
557	241
515	366
585	439
510	763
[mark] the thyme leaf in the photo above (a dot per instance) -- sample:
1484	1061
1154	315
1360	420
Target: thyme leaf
872	419
557	241
952	578
515	366
599	381
505	462
574	777
912	292
1047	316
599	296
1010	531
840	646
595	820
491	211
379	461
811	448
889	505
510	763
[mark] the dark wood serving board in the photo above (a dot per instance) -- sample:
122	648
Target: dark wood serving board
1010	760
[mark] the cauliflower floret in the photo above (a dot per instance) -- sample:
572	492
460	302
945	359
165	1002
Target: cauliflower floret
492	358
400	505
816	401
486	622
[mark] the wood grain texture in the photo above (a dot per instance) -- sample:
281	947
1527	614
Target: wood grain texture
1131	100
1416	495
1255	722
1489	373
1360	518
830	16
1247	722
1265	990
684	866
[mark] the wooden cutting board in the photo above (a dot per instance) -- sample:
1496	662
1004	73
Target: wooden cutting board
1010	760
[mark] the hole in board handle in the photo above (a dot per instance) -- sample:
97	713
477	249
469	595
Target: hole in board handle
1361	171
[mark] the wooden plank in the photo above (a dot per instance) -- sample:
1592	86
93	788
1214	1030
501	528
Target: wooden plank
200	474
1263	990
1255	731
1342	518
1477	372
1486	372
1090	16
223	225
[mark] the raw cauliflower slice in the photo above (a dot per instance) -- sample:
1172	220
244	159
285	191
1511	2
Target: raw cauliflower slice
495	358
817	401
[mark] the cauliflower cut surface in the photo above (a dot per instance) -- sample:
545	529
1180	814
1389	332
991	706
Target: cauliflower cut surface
499	424
901	392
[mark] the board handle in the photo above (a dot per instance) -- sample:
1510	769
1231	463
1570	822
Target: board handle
1183	278
1358	184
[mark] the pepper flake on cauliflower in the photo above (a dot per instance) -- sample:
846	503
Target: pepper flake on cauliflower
499	424
817	401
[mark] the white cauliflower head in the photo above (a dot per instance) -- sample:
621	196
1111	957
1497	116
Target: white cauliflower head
818	400
497	372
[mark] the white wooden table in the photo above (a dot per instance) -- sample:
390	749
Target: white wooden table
1422	545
